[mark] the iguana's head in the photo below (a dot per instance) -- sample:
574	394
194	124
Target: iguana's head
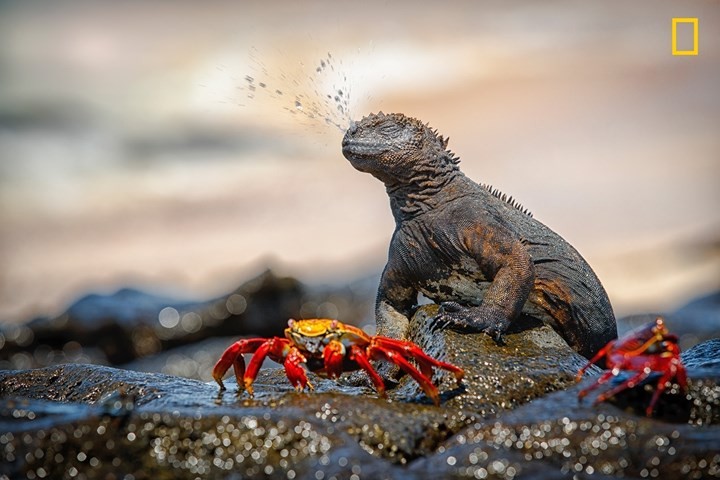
392	147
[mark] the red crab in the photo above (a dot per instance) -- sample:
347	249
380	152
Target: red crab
329	347
645	350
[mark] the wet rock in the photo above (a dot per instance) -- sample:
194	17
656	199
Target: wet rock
703	355
157	426
533	362
699	405
94	421
558	437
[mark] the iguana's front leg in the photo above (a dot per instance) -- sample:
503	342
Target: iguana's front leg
393	306
513	275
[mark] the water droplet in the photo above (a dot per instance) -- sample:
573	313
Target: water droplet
298	105
262	85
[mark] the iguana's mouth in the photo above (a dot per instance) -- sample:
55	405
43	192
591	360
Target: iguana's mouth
359	149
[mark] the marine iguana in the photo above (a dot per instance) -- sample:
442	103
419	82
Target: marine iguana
469	248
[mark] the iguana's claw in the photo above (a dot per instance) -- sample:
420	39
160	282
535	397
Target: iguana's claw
451	307
457	317
495	332
441	321
438	324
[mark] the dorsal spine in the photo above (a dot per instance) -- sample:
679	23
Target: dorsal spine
506	198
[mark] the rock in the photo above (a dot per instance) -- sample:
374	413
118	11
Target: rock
699	318
534	361
93	422
517	413
195	360
703	355
156	426
557	437
696	321
129	324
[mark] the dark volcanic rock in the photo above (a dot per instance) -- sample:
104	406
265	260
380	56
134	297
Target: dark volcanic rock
195	360
100	422
129	324
695	322
157	426
703	355
534	361
699	317
93	421
556	437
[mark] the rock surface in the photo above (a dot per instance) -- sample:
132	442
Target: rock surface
130	325
517	415
534	361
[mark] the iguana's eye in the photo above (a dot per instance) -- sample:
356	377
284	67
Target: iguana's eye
390	129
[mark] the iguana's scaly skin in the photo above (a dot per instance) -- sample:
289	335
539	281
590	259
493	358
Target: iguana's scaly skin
481	257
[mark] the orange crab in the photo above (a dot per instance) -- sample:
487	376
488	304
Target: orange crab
329	347
648	349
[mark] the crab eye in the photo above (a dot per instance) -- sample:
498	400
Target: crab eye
291	323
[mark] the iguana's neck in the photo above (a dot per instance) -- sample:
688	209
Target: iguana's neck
426	185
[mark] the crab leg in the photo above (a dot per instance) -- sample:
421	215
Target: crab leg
681	375
278	349
398	359
676	370
603	379
425	361
256	362
600	354
658	390
359	356
630	383
232	356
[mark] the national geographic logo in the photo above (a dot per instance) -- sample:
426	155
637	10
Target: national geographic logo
688	30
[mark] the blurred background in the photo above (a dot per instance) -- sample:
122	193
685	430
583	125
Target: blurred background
186	146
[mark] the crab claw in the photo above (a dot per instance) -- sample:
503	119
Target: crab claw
294	370
333	357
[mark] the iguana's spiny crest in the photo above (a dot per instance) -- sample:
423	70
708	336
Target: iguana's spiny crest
398	149
394	147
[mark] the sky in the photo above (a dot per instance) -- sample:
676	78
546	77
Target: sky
184	146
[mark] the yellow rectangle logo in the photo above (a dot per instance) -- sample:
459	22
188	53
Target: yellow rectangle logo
694	23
